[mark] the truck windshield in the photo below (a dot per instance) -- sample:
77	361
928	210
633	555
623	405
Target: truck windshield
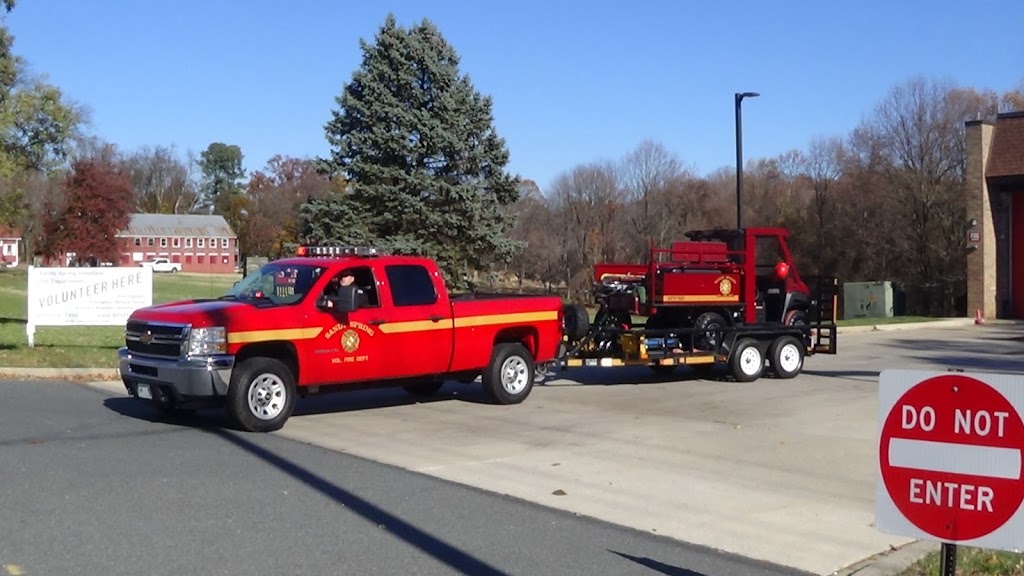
277	283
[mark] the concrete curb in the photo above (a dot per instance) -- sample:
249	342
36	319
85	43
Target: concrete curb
892	562
77	374
943	323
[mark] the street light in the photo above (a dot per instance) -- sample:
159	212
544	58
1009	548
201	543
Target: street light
739	155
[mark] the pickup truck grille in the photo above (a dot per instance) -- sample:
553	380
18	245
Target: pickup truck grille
156	339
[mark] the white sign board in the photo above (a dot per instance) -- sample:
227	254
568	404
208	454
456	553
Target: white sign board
104	296
950	462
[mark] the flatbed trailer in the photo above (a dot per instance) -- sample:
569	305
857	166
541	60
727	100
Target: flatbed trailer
749	350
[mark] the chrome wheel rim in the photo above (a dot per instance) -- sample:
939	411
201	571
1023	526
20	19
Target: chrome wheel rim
267	396
515	375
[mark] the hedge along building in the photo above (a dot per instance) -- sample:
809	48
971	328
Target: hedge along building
201	243
995	240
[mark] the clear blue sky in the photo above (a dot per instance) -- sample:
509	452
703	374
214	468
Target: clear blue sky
572	81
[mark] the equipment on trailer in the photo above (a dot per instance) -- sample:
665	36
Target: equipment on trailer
730	296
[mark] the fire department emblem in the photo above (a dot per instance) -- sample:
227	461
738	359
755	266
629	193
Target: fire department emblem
350	340
725	286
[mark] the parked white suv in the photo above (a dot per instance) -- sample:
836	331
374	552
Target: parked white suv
162	265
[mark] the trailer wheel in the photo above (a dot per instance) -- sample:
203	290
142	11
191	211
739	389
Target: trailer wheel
786	356
261	396
746	360
575	321
509	377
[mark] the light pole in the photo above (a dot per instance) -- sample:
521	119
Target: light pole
739	154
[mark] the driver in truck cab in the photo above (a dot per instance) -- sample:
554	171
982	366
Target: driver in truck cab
346	278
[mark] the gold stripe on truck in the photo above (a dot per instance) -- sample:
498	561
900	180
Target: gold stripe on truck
511	318
467	322
268	335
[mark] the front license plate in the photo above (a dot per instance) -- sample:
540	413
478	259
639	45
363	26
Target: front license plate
143	390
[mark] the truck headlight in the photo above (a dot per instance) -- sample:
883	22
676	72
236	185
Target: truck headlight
207	341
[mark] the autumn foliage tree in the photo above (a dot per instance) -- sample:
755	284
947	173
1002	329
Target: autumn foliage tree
275	195
97	204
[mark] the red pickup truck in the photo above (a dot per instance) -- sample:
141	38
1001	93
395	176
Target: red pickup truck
296	328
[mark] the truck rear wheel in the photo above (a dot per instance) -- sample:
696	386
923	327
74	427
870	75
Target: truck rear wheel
786	356
261	396
509	377
746	360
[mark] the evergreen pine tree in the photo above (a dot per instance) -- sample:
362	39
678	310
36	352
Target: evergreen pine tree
424	165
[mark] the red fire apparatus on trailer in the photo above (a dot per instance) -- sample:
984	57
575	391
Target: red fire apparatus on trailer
730	296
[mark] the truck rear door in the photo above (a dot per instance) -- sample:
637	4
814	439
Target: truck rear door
416	329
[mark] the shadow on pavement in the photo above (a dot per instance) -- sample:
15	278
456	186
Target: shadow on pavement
354	400
141	410
628	376
458	560
858	375
667	569
440	550
994	354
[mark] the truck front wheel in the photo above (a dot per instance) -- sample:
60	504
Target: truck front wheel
508	379
261	396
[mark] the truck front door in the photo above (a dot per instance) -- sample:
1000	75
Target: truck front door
349	347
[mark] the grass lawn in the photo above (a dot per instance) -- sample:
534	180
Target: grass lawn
971	562
82	346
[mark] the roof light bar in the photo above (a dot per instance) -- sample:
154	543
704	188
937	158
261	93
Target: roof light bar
329	251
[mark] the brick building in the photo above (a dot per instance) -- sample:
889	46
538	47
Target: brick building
995	195
10	246
202	243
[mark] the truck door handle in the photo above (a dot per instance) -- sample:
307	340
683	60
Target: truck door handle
436	318
376	322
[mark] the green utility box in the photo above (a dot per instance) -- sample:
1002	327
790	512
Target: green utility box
868	300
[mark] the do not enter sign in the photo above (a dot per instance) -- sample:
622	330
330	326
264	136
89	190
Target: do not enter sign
949	456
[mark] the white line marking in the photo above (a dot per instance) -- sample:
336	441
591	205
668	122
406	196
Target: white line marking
955	458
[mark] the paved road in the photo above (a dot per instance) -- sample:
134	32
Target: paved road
92	486
783	471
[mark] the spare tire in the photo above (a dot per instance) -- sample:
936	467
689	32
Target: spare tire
575	321
710	326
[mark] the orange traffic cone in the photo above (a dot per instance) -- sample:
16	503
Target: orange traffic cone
978	317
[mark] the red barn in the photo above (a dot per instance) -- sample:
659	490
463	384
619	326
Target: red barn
201	243
10	246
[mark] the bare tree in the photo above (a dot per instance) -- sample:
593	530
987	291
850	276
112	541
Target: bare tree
588	200
920	125
162	183
823	164
649	175
1013	100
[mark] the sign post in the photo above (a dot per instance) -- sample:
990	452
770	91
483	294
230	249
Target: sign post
950	459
